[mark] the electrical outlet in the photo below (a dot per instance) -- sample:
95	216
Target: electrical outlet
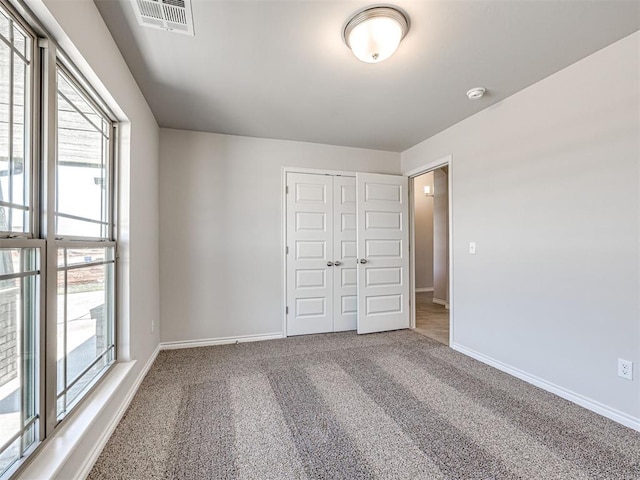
625	369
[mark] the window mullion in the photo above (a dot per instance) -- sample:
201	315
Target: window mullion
47	222
25	352
65	351
35	140
113	183
11	131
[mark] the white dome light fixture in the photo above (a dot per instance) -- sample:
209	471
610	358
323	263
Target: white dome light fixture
374	34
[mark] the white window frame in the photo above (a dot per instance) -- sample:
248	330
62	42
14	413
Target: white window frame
46	56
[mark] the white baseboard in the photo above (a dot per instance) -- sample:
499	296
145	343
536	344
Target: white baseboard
589	404
424	289
207	342
439	301
106	434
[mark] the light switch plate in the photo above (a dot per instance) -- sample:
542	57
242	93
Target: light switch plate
472	248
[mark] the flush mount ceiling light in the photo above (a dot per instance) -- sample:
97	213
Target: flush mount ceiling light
374	34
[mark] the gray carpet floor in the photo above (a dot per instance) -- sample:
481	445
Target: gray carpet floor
394	405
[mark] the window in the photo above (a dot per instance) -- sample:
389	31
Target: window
85	320
20	285
58	255
19	290
85	289
82	164
15	85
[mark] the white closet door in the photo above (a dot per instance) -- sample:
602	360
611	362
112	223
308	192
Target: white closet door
310	243
345	300
383	238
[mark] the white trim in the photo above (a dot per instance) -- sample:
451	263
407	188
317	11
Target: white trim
589	404
283	253
318	171
115	420
439	301
412	255
425	289
450	290
207	342
429	166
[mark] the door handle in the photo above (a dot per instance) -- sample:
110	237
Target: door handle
329	264
337	264
363	260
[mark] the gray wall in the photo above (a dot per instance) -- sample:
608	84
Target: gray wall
221	228
547	183
441	235
423	248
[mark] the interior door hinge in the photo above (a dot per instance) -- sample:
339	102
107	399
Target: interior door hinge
287	250
287	310
286	190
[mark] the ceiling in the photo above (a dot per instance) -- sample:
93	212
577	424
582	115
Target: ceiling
279	69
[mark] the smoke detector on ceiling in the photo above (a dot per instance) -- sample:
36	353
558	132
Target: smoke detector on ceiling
476	93
172	15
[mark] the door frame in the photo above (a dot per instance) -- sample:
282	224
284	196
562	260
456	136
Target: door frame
427	167
283	232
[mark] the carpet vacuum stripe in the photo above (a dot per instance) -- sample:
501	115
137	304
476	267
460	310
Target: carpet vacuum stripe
454	453
266	450
496	434
326	450
380	441
204	434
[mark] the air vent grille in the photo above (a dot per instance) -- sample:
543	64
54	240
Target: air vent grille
171	15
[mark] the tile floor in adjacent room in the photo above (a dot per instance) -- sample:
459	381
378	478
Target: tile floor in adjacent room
432	319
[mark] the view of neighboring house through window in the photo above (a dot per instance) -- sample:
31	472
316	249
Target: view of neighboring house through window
57	239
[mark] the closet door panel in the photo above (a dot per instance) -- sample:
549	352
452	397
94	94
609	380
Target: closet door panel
345	248
310	280
383	267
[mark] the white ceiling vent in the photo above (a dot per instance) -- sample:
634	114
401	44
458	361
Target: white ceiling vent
172	15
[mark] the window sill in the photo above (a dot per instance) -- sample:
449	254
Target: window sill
54	452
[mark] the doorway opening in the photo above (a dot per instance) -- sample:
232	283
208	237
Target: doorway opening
431	253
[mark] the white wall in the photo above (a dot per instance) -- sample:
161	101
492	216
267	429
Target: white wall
221	228
547	183
441	235
423	216
78	27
